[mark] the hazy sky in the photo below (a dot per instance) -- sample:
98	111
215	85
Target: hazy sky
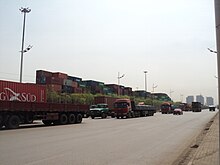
96	39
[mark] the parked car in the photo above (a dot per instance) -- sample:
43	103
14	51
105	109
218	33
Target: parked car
178	111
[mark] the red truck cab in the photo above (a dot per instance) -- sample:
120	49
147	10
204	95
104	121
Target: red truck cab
122	107
166	108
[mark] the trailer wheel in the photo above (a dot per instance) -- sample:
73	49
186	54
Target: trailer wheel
47	122
63	119
79	118
13	122
1	121
72	118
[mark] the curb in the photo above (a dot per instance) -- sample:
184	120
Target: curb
189	154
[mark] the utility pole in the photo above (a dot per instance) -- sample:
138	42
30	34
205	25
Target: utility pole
119	77
171	93
23	10
217	25
145	84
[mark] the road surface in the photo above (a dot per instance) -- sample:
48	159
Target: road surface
155	140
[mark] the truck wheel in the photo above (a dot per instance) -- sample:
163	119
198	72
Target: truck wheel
13	122
1	121
47	122
63	119
93	117
28	119
72	118
79	118
128	115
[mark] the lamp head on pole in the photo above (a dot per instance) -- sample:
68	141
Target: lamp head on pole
25	10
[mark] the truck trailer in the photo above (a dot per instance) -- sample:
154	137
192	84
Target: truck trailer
127	108
196	107
25	102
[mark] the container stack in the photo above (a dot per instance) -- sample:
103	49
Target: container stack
58	82
94	86
113	87
128	91
75	81
63	83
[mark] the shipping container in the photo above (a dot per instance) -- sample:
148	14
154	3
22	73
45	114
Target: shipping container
67	82
67	89
106	100
82	84
41	76
43	73
75	84
24	92
77	90
60	75
54	87
77	79
54	80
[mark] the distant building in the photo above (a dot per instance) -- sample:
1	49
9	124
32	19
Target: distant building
209	101
189	99
200	98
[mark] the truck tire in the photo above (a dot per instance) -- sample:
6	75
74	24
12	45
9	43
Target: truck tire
92	116
28	119
104	115
63	119
1	121
47	122
128	115
72	119
13	122
79	118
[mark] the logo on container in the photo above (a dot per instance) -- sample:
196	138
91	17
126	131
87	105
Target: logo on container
9	95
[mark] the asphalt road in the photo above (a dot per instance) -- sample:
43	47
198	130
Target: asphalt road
155	140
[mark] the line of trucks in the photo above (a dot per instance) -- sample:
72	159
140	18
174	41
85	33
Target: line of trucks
167	108
26	102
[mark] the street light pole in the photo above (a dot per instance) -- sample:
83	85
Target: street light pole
23	10
145	84
119	77
171	93
217	23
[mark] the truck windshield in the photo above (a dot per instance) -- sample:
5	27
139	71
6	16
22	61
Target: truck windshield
102	106
165	106
121	105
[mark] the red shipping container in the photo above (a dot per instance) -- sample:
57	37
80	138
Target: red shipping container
75	84
24	92
54	87
105	99
60	75
54	80
40	73
77	90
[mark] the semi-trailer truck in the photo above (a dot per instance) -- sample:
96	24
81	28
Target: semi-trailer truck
196	107
127	108
166	108
25	102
